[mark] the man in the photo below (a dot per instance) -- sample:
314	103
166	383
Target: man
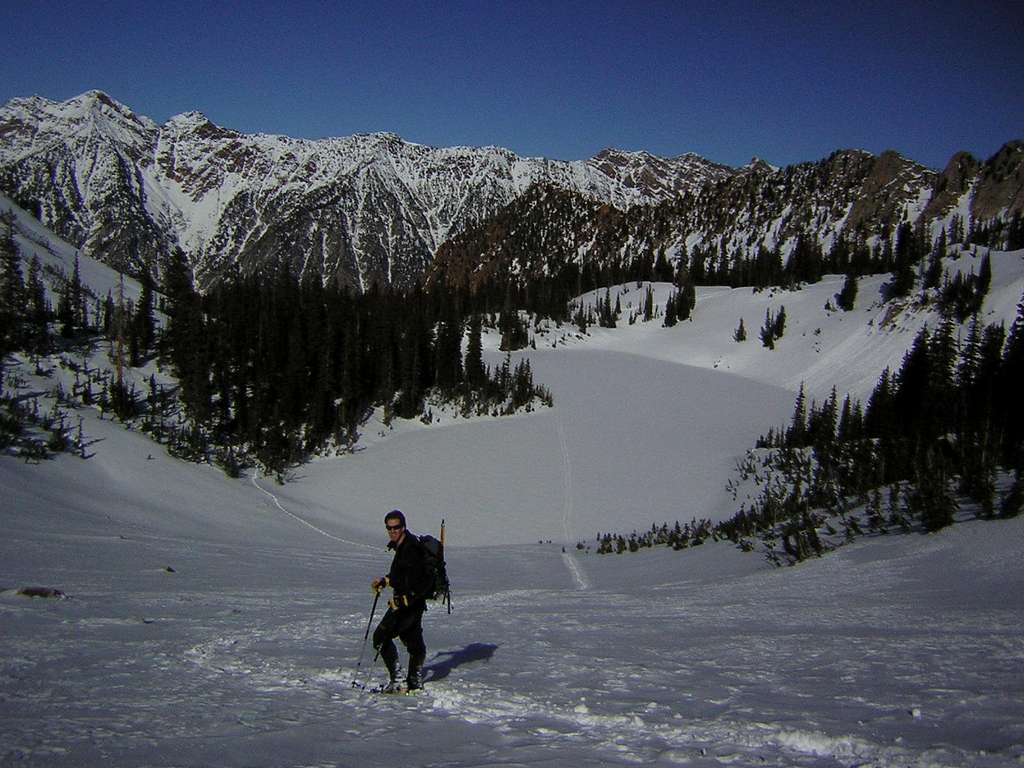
411	582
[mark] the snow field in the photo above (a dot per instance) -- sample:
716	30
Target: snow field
212	621
245	656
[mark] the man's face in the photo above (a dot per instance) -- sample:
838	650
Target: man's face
395	529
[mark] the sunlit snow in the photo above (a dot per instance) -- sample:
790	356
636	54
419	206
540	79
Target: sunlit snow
217	622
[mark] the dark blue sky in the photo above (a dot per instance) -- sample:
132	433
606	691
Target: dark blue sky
786	81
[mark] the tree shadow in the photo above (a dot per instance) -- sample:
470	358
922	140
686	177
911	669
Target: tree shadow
445	661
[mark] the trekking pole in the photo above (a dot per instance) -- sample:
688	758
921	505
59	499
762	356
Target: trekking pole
362	651
448	589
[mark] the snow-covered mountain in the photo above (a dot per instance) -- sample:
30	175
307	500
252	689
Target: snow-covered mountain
355	209
851	200
373	207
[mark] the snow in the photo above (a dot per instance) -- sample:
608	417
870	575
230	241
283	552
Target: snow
217	622
32	238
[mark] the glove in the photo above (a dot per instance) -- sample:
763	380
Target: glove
398	602
378	585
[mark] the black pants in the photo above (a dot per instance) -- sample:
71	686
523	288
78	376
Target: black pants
407	626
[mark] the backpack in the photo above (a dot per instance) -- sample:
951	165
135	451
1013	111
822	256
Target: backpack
433	550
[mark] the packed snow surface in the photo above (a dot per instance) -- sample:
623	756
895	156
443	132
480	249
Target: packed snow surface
234	641
211	621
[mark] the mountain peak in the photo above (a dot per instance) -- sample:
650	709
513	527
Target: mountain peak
759	165
196	123
97	102
94	96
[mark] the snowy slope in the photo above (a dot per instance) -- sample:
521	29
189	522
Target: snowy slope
822	347
207	627
218	622
33	239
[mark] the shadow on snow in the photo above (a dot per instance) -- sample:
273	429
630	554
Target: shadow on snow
445	661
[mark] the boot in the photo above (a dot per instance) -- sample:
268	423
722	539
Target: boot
414	680
393	685
394	673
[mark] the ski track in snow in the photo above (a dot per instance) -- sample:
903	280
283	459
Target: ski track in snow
617	710
321	531
567	510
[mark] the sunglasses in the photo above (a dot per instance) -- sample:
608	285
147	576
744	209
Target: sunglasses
394	527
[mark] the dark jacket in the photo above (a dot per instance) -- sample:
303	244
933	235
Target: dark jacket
409	575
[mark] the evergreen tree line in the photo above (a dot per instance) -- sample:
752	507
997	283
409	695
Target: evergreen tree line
554	296
269	369
603	313
899	251
24	310
277	369
29	324
958	297
528	257
24	324
692	534
26	315
940	429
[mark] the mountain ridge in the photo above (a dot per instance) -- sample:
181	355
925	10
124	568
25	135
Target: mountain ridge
373	207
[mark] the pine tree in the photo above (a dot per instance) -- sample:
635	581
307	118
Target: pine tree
295	391
38	334
805	262
779	326
984	276
912	387
956	230
740	334
181	298
449	352
580	320
670	311
943	353
880	416
686	302
1015	233
606	316
663	271
143	325
931	499
76	296
821	426
476	373
1009	403
768	330
796	435
903	262
847	297
934	271
12	292
845	430
896	517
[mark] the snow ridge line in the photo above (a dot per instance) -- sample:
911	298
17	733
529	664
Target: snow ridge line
306	523
567	509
